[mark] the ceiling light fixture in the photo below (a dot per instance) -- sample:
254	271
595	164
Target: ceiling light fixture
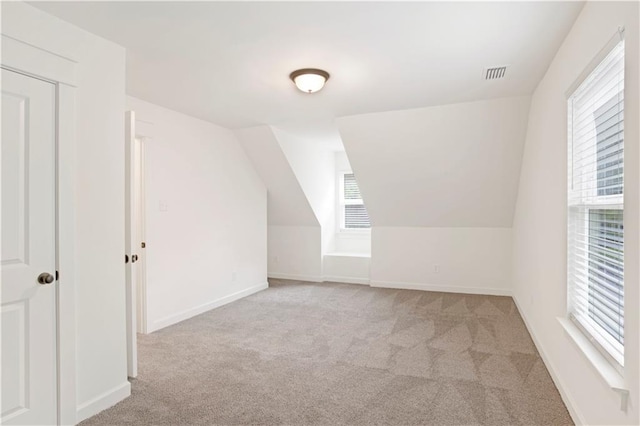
309	80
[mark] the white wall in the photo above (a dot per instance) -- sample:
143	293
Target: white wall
445	166
294	235
467	260
210	244
540	233
313	164
440	187
101	364
294	252
300	174
353	243
352	268
100	222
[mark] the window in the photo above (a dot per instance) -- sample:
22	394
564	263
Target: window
353	214
596	205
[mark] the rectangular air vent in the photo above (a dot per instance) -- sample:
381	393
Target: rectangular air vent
494	73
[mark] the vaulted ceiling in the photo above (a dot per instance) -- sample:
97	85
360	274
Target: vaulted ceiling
286	202
228	62
431	141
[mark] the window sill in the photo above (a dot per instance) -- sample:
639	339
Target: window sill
608	373
348	254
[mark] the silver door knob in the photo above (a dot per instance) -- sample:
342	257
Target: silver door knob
45	278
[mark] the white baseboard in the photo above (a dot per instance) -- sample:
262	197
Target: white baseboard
197	310
441	288
284	276
315	279
102	402
346	280
568	401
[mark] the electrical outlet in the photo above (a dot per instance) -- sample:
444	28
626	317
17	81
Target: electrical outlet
162	206
436	269
276	259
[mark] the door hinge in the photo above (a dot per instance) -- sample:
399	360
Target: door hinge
57	276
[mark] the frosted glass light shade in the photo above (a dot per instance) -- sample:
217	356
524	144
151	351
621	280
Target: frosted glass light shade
309	80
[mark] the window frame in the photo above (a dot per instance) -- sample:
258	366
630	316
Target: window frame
342	202
612	350
601	340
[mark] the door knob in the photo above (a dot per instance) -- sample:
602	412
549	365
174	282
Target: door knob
45	278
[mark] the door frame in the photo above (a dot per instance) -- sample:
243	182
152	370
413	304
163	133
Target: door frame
141	282
131	249
42	64
143	132
136	130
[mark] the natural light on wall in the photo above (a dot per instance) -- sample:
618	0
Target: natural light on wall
596	205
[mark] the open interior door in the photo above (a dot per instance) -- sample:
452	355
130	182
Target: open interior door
131	246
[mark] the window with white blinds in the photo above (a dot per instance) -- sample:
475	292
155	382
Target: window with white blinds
596	205
354	214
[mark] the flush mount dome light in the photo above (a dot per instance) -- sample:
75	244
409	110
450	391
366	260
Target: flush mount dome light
309	80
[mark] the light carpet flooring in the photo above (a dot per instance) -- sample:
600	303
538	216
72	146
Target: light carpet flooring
306	353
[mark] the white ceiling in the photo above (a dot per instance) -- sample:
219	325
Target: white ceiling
287	203
228	62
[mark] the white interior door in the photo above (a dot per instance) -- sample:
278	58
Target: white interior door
28	307
131	246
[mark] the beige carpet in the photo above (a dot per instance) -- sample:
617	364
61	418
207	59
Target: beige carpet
302	353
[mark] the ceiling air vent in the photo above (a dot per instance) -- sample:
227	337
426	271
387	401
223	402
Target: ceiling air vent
495	73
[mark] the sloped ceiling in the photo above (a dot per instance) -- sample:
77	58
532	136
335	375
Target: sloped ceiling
446	166
228	62
286	201
313	165
454	165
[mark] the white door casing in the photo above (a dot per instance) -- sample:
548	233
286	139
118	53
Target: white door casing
28	308
143	138
139	218
131	246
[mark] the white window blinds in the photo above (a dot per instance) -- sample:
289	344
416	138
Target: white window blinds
596	205
355	213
